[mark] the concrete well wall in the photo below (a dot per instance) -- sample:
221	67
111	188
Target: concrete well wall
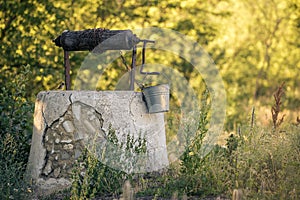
66	122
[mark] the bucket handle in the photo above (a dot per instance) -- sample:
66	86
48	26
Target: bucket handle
141	84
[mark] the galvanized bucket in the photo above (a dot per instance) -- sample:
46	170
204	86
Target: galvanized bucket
157	98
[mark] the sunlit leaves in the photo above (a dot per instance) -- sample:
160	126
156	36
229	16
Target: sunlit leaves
252	43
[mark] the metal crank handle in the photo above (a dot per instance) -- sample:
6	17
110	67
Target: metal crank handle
144	58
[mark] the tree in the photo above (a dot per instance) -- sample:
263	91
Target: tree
261	45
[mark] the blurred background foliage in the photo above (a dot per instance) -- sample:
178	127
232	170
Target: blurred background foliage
255	44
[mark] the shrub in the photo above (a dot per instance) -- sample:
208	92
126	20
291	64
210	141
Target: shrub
15	134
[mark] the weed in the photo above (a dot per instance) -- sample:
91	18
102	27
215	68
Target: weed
192	157
276	108
91	177
253	117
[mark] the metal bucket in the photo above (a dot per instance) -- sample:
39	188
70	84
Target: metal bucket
157	98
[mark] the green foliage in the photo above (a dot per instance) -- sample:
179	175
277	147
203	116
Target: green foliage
192	157
15	134
259	163
27	29
189	177
91	177
255	161
267	164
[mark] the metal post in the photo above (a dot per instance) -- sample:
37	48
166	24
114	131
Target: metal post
132	72
67	70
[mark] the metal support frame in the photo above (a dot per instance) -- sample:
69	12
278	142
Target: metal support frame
67	70
132	71
134	39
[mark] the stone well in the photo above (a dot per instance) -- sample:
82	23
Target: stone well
66	122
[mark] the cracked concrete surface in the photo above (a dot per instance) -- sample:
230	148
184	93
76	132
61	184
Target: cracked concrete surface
65	122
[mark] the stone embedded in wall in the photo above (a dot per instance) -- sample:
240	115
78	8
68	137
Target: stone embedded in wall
48	168
67	122
56	172
68	126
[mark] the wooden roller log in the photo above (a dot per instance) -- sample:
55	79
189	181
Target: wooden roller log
96	40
